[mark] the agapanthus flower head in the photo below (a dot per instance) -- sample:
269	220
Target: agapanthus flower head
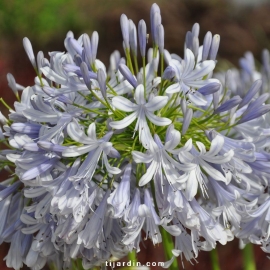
102	154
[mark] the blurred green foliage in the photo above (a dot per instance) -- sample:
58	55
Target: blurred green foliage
45	20
40	20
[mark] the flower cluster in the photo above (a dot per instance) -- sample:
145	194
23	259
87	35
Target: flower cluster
101	159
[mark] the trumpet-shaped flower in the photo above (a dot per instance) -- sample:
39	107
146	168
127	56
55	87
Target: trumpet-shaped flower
188	74
203	160
161	161
141	110
93	147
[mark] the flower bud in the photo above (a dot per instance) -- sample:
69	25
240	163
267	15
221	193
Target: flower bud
125	29
168	73
29	51
142	37
161	38
133	37
214	47
206	45
128	75
101	77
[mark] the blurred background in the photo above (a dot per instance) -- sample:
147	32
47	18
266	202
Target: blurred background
244	25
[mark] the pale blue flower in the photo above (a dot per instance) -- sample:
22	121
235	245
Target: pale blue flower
141	110
160	161
77	164
94	226
203	159
120	197
189	75
93	147
210	230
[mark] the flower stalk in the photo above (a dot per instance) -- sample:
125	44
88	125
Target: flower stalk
248	258
167	247
214	259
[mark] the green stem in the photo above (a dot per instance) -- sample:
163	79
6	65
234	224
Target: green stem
162	63
113	92
144	78
196	108
87	109
155	47
168	246
40	78
5	104
248	258
52	266
18	97
129	62
228	127
214	259
136	63
132	256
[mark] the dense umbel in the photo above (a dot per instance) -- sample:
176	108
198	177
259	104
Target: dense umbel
100	159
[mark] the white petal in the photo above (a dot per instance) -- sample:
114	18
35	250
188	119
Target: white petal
220	159
39	116
188	145
176	252
216	146
139	95
174	141
26	219
183	178
198	99
159	121
139	157
91	132
34	192
156	103
110	169
78	151
177	66
171	173
37	170
145	135
124	122
124	104
77	134
32	229
200	83
189	63
212	172
129	238
51	75
218	211
192	186
174	88
144	211
167	264
172	229
201	147
201	70
123	88
147	177
183	167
